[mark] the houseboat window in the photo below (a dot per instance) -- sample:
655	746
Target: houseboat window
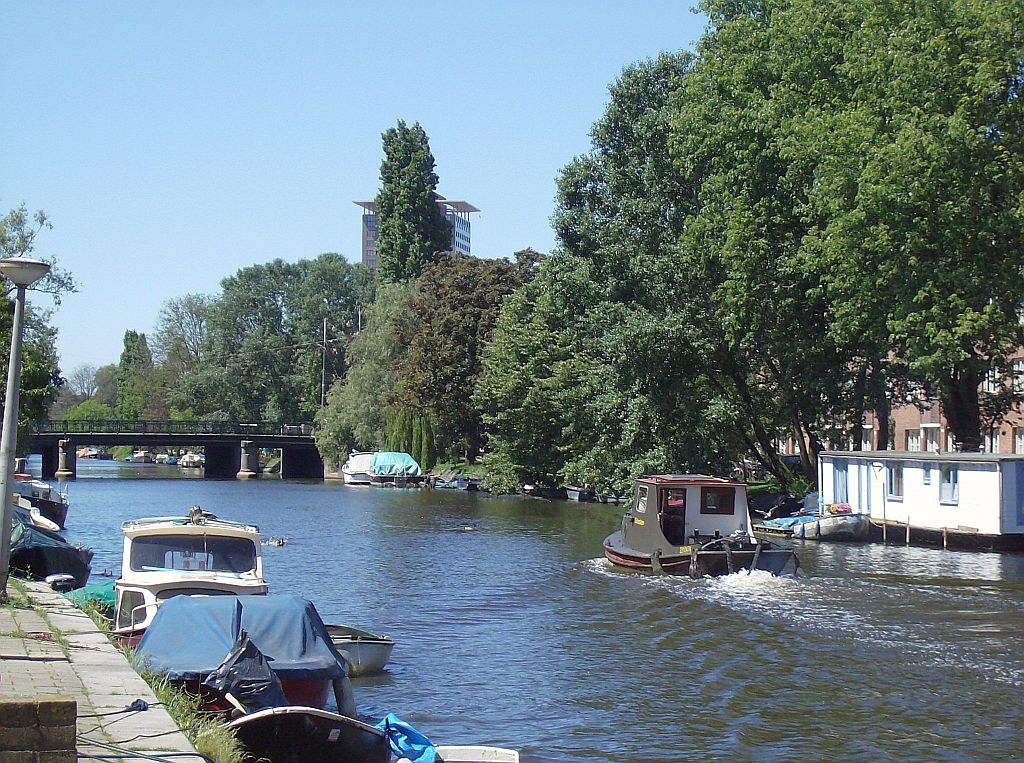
894	480
129	601
926	473
641	499
717	500
949	485
842	494
193	552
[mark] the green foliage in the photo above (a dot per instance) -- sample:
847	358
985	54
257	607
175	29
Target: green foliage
135	376
354	416
412	229
455	305
257	351
89	410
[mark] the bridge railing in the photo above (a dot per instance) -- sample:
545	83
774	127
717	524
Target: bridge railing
124	426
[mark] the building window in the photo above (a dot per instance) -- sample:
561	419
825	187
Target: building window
1018	440
867	437
949	484
894	481
1018	376
913	439
991	444
991	381
931	439
839	484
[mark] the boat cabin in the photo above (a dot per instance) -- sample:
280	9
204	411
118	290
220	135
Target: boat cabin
957	500
199	554
675	509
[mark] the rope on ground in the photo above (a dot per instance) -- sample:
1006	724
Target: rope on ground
124	752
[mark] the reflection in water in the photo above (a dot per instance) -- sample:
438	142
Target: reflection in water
515	633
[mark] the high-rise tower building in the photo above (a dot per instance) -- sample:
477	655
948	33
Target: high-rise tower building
455	212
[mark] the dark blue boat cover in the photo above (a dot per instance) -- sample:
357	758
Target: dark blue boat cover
190	636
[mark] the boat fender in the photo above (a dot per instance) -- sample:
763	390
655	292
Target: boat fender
694	569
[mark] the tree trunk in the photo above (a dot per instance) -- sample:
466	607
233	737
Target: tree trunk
959	395
881	405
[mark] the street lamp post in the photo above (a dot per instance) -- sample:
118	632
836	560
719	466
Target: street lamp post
23	272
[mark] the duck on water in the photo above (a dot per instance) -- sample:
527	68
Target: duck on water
692	524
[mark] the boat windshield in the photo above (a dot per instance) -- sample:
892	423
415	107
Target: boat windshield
193	552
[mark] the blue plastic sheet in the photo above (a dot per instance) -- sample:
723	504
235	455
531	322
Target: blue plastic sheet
406	742
396	464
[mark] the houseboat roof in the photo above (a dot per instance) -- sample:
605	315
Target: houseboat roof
189	525
688	479
922	455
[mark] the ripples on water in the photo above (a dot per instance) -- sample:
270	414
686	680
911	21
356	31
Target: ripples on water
515	633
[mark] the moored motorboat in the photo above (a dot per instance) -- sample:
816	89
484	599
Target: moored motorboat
39	554
692	524
164	557
832	522
366	652
191	461
394	469
192	636
51	502
356	470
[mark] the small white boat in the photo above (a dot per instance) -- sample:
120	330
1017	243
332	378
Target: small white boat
469	753
191	461
140	457
366	652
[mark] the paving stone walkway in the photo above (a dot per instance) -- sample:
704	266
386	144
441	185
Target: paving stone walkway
91	671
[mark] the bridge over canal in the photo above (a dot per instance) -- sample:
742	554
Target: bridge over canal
231	447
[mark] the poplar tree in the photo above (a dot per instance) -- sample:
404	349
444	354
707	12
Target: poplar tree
412	229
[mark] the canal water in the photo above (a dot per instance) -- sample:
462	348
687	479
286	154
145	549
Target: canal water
516	632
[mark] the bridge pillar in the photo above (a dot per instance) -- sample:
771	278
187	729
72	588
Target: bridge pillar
67	461
249	462
50	459
301	461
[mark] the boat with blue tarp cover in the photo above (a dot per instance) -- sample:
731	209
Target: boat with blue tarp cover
394	468
190	636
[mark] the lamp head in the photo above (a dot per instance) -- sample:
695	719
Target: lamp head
23	271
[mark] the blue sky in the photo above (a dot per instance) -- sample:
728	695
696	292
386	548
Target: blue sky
172	143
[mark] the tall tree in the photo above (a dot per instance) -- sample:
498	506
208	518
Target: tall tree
134	377
412	229
456	302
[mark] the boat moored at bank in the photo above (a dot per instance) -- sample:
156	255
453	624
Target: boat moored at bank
164	557
692	524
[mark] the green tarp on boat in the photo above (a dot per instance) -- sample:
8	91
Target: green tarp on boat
101	593
394	464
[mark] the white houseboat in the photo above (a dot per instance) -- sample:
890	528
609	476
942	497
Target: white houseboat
197	554
954	500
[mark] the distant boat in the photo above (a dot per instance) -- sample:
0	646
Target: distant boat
394	468
192	461
140	457
574	493
356	470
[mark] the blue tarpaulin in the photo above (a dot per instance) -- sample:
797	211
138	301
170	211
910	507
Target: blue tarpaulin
190	636
391	463
406	742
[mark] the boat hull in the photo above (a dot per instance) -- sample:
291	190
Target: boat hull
710	562
365	652
309	735
849	527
